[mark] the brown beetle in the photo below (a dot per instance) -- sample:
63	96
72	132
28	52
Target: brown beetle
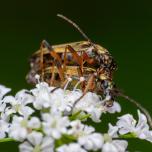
78	59
56	63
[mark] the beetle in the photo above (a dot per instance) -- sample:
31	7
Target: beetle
84	59
77	59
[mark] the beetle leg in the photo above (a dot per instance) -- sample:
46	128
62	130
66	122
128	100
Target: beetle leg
65	59
75	55
57	59
52	74
79	60
88	87
88	59
64	67
60	70
90	84
56	88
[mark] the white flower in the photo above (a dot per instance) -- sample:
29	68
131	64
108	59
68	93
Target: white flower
127	124
115	146
112	145
37	143
86	136
91	104
60	100
21	127
54	124
93	141
115	108
112	132
3	91
17	106
4	127
42	96
24	96
73	147
2	106
78	129
63	100
148	135
72	96
61	120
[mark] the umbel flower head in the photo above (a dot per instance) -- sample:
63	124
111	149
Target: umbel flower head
46	119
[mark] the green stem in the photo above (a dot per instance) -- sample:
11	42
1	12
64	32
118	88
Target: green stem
74	116
127	136
6	140
85	117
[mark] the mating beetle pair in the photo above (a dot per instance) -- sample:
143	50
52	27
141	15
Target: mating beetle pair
76	60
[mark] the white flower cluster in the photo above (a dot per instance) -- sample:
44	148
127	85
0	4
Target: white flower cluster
46	119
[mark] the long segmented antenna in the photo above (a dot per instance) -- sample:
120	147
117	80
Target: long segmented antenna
144	110
75	25
119	93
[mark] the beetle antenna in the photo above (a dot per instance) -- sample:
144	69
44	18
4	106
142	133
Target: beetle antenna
144	110
75	25
136	103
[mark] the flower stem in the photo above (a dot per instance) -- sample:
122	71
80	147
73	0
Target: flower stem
74	116
6	140
85	117
128	136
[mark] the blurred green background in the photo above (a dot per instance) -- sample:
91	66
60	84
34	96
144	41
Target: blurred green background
123	27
